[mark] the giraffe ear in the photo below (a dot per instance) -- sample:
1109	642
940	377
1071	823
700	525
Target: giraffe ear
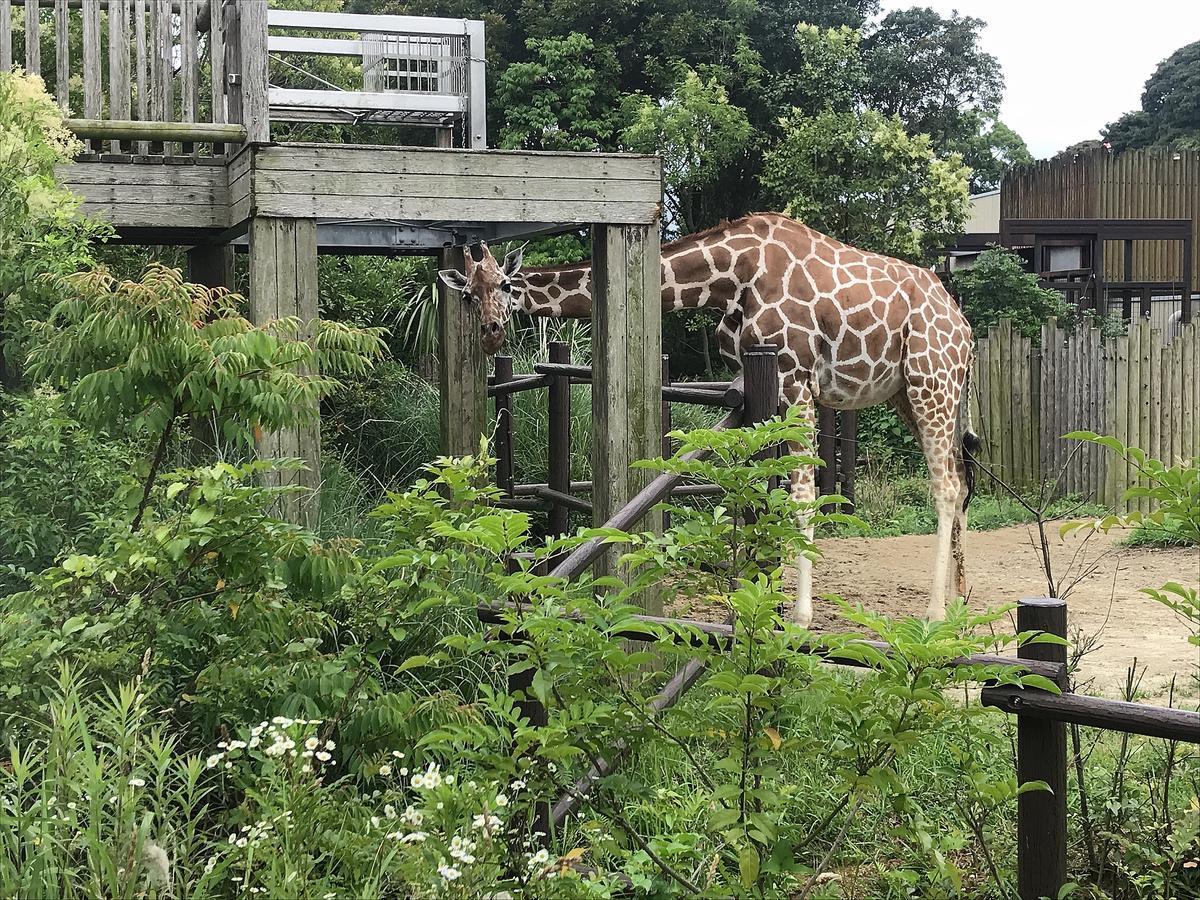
453	279
512	262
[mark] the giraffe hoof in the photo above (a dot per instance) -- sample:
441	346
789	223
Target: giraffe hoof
801	617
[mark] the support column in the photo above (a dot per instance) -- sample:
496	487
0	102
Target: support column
212	265
626	369
283	282
462	373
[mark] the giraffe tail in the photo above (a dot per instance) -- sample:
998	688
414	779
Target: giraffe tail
970	441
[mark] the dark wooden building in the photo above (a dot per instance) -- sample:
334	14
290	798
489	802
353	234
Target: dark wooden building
1133	221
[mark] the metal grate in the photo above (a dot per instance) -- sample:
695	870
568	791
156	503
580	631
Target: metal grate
427	64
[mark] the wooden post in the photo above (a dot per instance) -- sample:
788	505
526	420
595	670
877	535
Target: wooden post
626	369
283	282
33	39
1042	756
532	709
1185	310
212	265
827	450
847	455
504	427
667	448
252	47
559	449
462	376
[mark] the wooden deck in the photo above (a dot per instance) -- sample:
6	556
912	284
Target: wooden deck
437	192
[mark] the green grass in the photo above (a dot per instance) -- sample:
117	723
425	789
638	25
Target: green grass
893	505
1162	535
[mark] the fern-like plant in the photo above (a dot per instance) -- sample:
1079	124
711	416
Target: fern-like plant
144	353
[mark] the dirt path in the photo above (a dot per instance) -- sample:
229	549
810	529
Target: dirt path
891	575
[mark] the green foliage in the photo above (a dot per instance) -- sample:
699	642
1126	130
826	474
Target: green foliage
1170	112
997	287
41	235
697	132
43	448
565	98
859	177
155	349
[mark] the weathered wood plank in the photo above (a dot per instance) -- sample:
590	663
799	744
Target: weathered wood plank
283	282
141	67
143	196
216	63
383	159
189	62
437	209
252	24
93	88
1147	396
462	378
162	91
119	99
626	367
6	37
1121	417
1177	402
33	38
156	131
62	53
482	187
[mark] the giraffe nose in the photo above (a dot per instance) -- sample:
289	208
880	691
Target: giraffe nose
489	328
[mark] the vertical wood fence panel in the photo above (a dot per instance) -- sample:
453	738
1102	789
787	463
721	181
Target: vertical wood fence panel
1026	394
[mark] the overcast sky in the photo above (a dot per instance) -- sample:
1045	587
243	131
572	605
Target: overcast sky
1073	66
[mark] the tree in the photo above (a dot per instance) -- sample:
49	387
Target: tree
697	132
930	71
861	178
1170	112
565	99
998	287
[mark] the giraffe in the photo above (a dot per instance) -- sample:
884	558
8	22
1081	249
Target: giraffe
853	329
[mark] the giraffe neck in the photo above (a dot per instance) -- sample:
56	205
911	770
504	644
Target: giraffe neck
689	281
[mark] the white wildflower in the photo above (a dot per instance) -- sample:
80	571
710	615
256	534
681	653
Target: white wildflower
137	782
415	837
501	800
330	745
212	761
157	863
449	779
375	820
404	773
449	873
385	770
237	745
312	743
322	756
396	754
487	822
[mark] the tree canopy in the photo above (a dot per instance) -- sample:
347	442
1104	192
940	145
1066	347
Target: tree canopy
1170	112
725	75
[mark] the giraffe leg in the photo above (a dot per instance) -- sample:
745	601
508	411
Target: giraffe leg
932	419
804	490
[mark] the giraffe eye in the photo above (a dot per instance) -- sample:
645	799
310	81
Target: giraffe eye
506	286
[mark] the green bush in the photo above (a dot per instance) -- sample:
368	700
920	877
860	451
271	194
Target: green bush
60	483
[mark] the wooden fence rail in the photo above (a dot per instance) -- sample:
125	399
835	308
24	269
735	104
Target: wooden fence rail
1027	393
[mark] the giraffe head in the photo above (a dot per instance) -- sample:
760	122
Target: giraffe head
490	284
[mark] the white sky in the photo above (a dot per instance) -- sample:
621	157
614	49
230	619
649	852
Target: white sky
1073	66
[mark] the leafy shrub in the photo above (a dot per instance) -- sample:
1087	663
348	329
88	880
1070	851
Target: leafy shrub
43	448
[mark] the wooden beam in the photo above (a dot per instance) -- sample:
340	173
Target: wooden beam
252	24
366	101
132	130
462	375
212	265
283	282
626	370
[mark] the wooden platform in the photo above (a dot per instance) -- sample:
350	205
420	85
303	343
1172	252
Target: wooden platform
438	194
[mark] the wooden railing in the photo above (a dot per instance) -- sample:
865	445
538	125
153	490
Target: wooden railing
182	76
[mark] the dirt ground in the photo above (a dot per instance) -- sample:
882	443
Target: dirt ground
891	575
1100	578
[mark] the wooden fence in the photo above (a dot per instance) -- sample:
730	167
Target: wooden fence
1026	394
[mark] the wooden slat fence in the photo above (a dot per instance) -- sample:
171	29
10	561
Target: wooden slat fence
1026	394
135	61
